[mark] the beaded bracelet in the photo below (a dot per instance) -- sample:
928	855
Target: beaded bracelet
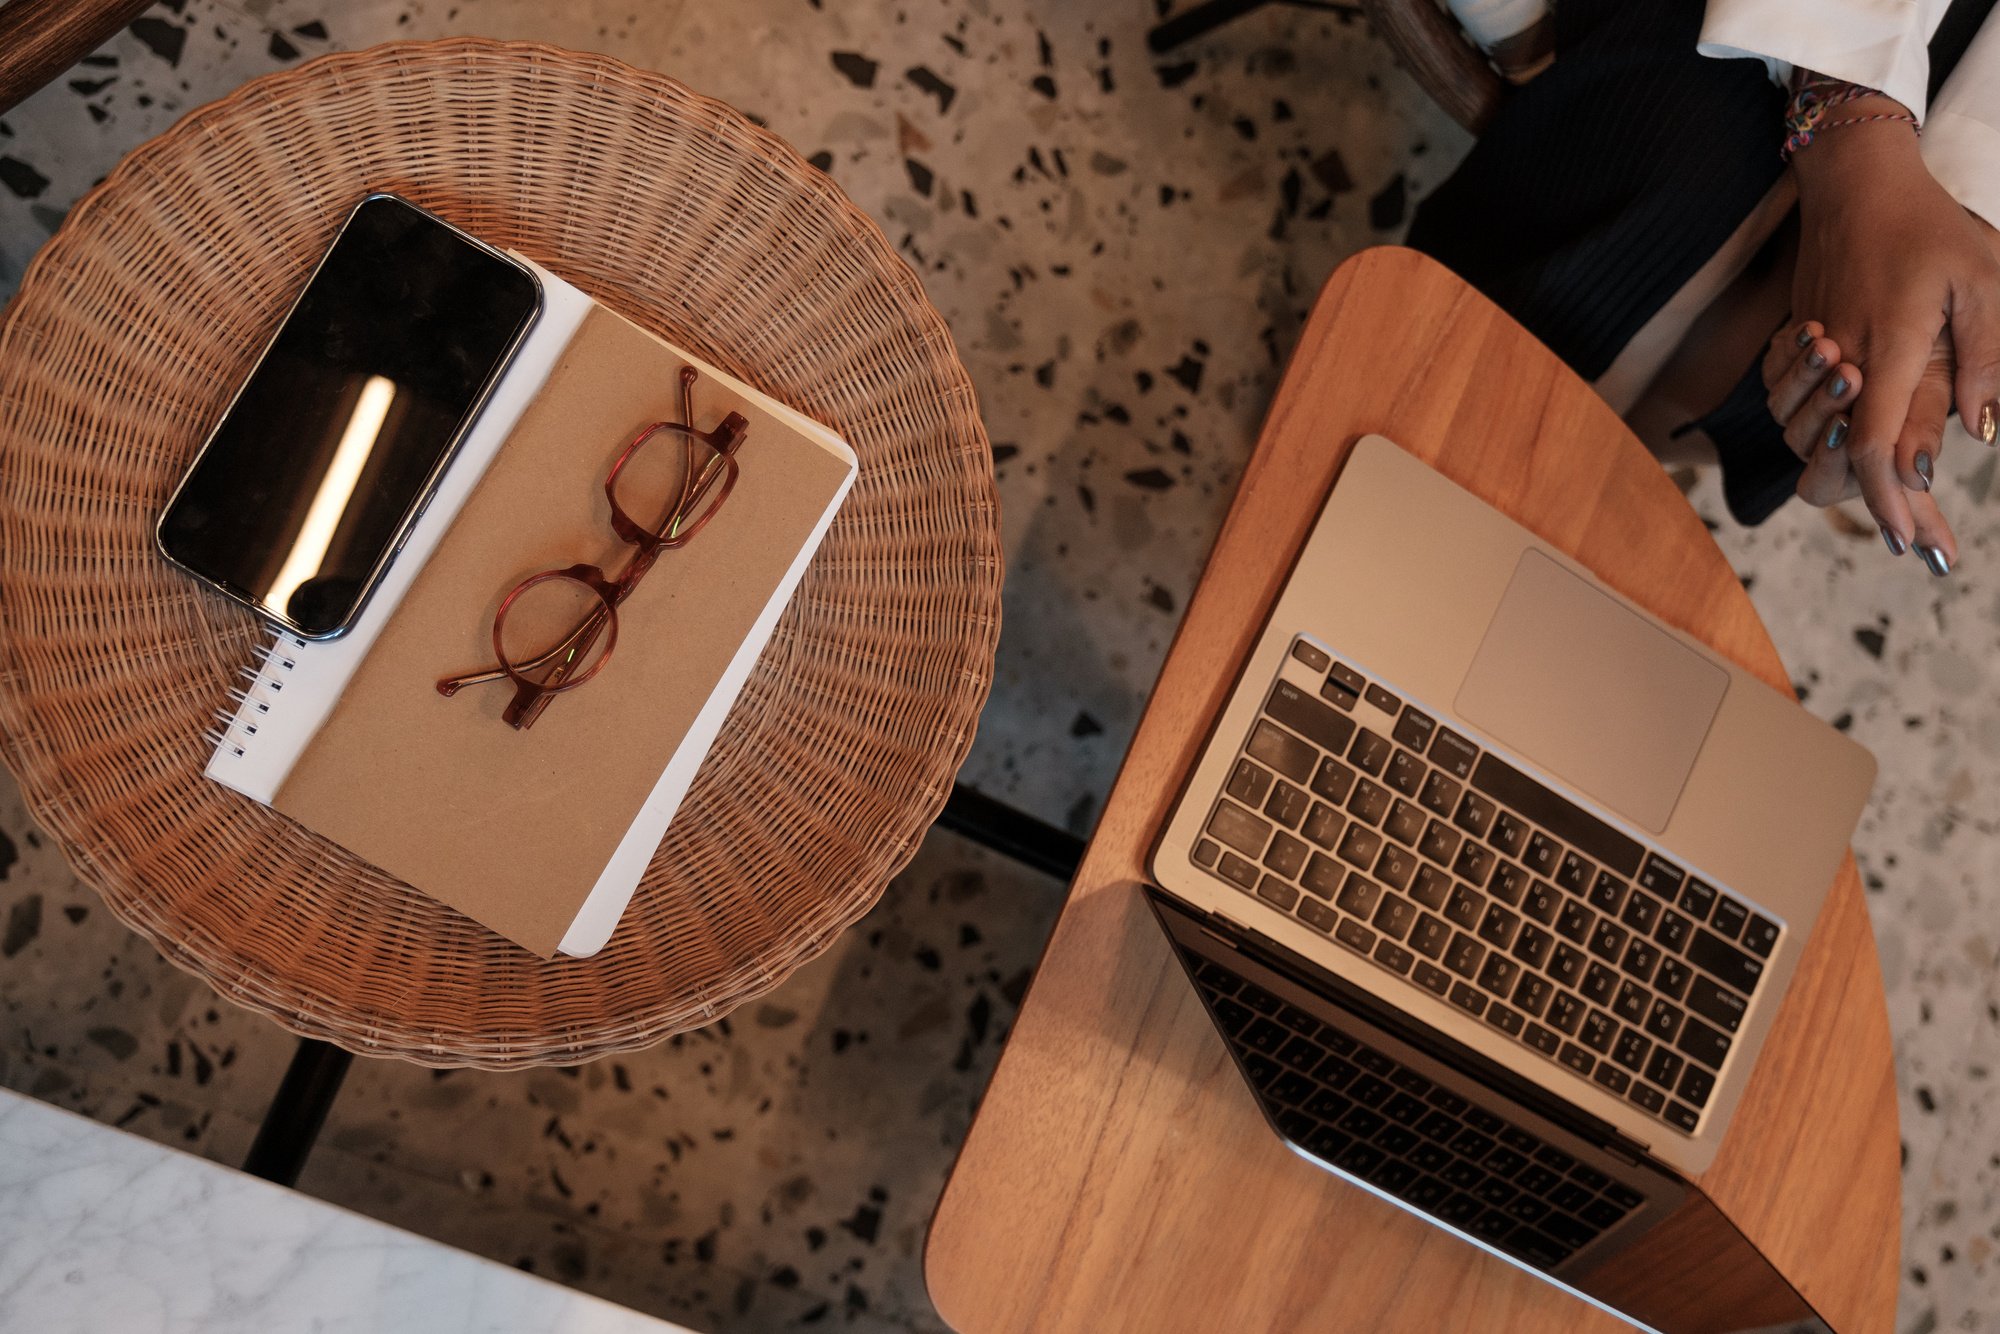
1814	98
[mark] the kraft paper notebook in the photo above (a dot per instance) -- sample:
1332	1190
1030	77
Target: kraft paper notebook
541	834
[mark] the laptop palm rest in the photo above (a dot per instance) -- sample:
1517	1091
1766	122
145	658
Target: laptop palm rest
1592	692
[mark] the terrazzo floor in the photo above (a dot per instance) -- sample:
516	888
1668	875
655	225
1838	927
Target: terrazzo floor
1124	248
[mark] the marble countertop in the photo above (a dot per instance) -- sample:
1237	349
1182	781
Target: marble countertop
100	1230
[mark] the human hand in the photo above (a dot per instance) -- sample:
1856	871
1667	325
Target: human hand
1899	275
1811	390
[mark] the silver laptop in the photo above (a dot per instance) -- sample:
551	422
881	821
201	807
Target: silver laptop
1493	882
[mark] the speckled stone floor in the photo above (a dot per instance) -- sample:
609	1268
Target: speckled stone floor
1124	247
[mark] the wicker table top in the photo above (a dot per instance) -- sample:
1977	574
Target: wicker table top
137	320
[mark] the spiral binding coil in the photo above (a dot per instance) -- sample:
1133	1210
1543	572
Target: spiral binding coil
254	699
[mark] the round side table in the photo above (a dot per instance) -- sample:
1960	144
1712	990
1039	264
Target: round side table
134	325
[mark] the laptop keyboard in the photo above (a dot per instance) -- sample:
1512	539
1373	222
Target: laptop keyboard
1350	1105
1445	865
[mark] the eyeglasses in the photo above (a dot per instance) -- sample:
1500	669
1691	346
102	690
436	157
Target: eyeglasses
583	596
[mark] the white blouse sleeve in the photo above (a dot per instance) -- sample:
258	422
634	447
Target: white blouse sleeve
1876	43
1961	142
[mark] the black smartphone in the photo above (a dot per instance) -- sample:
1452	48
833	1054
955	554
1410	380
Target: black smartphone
306	489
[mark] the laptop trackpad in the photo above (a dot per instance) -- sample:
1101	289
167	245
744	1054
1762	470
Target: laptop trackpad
1592	692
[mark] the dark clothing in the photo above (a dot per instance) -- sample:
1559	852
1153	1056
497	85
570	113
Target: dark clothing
1606	183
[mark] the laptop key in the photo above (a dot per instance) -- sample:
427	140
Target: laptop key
1465	998
1275	748
1393	956
1708	1045
1532	994
1497	927
1360	846
1368	802
1672	932
1760	937
1641	956
1279	892
1612	1077
1439	842
1543	1040
1333	780
1664	1019
1729	917
1499	974
1641	911
1631	1002
1475	814
1414	728
1206	850
1240	872
1318	916
1682	1117
1672	979
1311	655
1695	1086
1660	877
1510	833
1287	805
1432	978
1474	863
1508	1020
1543	855
1608	941
1406	773
1430	936
1394	916
1453	753
1575	874
1647	1097
1697	898
1287	856
1533	946
1265	1036
1354	935
1325	727
1632	1050
1323	824
1566	1013
1566	964
1464	955
1431	887
1727	964
1396	866
1248	783
1575	922
1607	893
1239	829
1405	823
1338	695
1464	907
1542	903
1509	883
1358	895
1720	1007
1440	794
1600	1030
1323	876
1349	679
1599	984
1576	1058
1369	753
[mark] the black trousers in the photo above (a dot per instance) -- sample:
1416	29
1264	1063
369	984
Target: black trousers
1606	183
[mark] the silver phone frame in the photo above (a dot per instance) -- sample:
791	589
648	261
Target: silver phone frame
429	487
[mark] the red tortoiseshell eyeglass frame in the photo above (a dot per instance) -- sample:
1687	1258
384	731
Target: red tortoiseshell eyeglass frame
705	484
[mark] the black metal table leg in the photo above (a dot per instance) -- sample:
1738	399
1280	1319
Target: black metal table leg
1012	833
297	1111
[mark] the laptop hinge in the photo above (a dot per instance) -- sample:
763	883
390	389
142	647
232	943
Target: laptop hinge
1282	959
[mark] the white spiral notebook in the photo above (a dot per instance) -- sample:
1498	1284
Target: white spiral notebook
419	784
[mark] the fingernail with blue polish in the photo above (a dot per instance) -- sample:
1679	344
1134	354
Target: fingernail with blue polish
1934	560
1924	469
1896	547
1805	337
1836	434
1837	387
1816	360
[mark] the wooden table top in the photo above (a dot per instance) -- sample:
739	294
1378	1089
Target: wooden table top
1119	1175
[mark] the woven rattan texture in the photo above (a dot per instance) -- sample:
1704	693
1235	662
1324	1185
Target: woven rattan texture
136	321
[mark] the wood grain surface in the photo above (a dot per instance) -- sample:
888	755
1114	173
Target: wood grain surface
1119	1176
